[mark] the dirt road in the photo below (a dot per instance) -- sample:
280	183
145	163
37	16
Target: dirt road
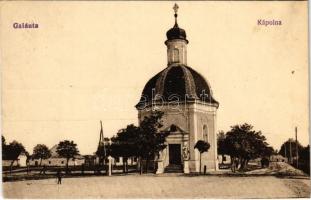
151	186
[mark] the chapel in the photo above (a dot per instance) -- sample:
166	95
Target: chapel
186	99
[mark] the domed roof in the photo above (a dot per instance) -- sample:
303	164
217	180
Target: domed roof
176	33
177	81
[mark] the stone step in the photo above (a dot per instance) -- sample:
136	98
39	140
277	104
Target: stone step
173	168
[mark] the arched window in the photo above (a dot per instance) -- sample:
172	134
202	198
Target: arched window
205	133
175	55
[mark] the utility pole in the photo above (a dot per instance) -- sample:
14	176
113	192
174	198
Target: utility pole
296	147
100	144
285	144
290	151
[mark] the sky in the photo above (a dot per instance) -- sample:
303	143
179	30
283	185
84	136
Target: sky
89	61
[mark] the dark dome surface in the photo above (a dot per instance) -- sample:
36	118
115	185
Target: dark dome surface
176	33
177	81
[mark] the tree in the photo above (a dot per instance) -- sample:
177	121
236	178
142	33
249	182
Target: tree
243	144
304	159
144	142
202	147
67	149
41	151
150	140
304	153
125	144
4	148
3	141
221	145
12	151
289	148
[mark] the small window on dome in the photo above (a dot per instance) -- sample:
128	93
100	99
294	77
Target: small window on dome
175	55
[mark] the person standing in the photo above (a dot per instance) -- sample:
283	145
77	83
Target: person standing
59	177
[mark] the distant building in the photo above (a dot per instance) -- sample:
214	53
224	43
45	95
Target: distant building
224	159
278	158
119	161
20	162
89	160
56	160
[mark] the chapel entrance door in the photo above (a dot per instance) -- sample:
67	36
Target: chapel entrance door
174	154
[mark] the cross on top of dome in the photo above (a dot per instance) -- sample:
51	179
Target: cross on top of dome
175	8
176	32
